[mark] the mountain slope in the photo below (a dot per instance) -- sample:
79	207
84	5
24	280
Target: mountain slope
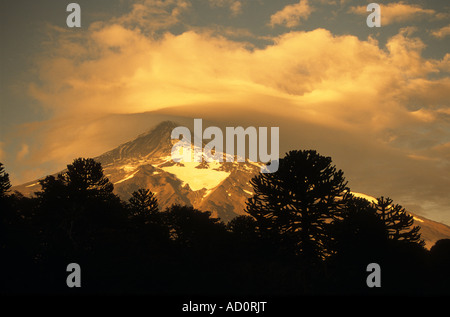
146	162
219	187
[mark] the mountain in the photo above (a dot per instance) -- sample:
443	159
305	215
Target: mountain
146	162
219	187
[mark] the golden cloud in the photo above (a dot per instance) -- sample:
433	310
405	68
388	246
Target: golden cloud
442	32
234	6
23	152
292	15
2	151
151	15
334	81
399	12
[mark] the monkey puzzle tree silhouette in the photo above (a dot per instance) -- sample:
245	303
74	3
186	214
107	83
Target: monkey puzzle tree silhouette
5	210
77	207
398	222
243	226
360	229
5	185
190	227
360	237
145	221
143	203
85	178
296	205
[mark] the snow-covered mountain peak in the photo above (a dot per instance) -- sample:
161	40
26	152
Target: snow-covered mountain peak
154	143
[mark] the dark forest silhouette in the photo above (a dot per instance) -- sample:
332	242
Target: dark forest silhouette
304	233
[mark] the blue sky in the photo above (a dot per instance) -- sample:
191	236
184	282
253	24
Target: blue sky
374	99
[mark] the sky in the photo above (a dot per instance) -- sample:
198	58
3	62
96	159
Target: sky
374	99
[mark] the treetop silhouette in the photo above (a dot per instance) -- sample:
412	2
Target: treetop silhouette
304	233
5	185
397	221
296	205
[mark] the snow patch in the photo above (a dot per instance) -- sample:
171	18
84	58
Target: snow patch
207	193
367	197
128	168
126	178
197	178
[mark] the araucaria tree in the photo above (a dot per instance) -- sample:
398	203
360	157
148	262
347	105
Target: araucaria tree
143	204
397	221
78	205
85	177
5	185
295	206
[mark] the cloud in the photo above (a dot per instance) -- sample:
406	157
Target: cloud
381	112
2	151
23	152
399	12
442	32
227	32
152	15
292	15
125	71
234	6
334	2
